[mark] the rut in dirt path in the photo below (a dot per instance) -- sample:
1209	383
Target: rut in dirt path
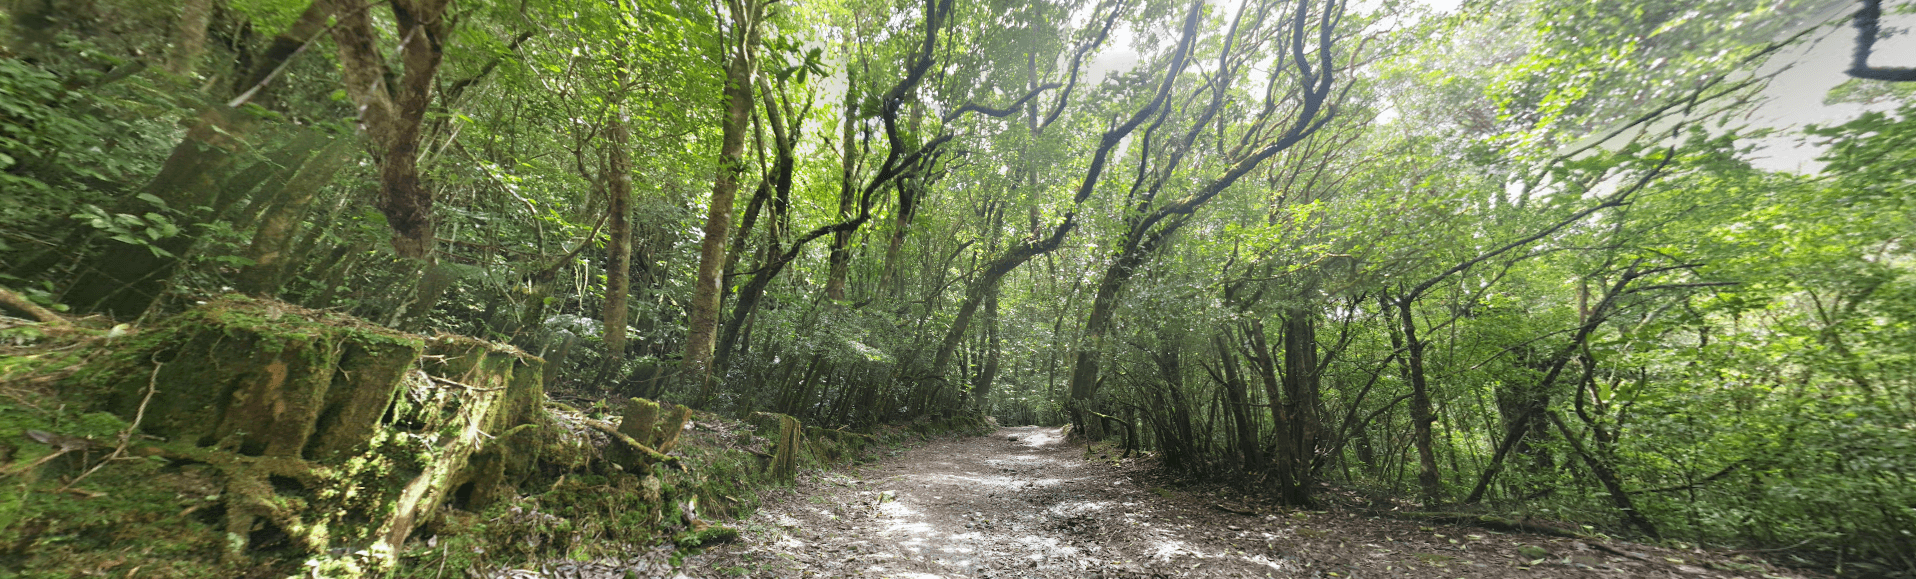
1020	503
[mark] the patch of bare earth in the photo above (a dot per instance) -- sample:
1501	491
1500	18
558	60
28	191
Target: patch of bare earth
1021	503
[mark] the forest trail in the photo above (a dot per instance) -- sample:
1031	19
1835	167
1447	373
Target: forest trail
1021	503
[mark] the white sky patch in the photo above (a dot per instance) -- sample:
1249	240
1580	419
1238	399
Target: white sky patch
1804	76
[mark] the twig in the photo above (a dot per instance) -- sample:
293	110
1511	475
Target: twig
36	463
1774	549
1221	507
463	385
1618	552
126	435
16	301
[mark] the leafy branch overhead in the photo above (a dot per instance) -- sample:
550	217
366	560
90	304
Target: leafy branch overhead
1598	264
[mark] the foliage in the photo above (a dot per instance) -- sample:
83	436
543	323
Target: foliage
1516	258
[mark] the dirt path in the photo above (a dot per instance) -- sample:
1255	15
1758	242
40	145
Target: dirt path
1020	503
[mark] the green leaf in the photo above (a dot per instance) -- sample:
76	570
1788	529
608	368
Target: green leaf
153	199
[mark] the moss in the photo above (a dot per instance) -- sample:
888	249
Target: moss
703	537
262	376
290	436
638	420
140	513
299	441
368	378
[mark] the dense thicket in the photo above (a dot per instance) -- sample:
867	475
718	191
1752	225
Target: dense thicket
1515	256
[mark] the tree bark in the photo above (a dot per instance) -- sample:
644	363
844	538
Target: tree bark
282	222
981	387
1612	484
1251	454
776	189
435	279
1558	361
891	280
1297	441
840	258
1421	416
740	68
190	38
1147	228
618	274
392	110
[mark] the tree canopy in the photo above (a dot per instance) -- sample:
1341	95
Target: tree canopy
1520	256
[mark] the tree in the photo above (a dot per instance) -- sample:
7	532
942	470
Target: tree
1150	223
740	59
393	111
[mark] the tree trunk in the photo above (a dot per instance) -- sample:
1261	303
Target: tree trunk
190	39
432	286
776	188
1421	416
1150	224
981	388
1084	368
891	280
841	256
1612	484
985	285
618	274
1558	361
1178	438
1251	454
281	223
392	110
1297	441
790	402
740	68
1516	402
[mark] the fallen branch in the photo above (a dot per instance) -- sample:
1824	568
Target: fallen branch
1618	552
16	301
1221	507
468	387
1491	522
613	431
63	450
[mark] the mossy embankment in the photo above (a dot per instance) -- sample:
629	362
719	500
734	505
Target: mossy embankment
250	438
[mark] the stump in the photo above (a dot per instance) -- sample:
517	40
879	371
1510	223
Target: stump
300	411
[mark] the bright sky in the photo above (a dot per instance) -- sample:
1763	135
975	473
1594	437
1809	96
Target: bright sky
1804	75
